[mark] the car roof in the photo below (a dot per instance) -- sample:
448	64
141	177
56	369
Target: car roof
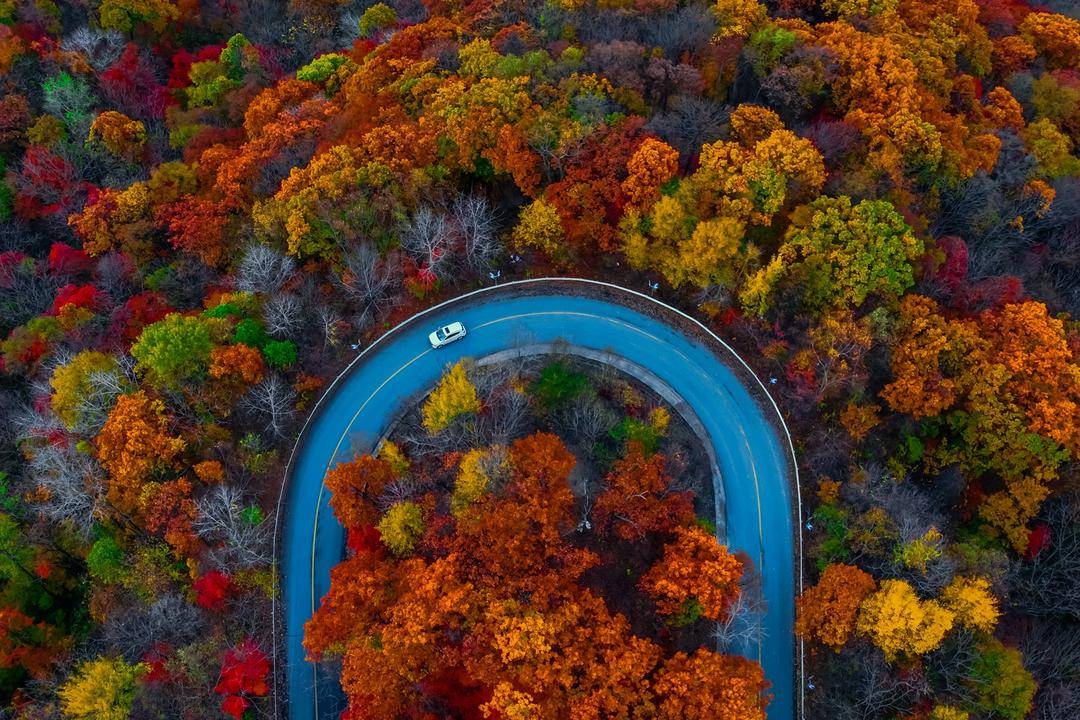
453	326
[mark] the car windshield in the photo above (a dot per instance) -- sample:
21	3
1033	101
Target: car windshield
441	333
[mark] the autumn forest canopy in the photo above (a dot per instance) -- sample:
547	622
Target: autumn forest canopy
207	207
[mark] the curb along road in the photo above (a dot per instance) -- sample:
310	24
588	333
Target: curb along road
749	437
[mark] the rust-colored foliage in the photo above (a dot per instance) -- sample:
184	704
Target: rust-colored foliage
637	501
695	567
237	362
134	446
827	611
356	486
705	685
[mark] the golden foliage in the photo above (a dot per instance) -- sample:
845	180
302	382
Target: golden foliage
100	689
859	419
454	396
401	527
739	18
540	228
970	599
471	481
121	135
70	383
947	712
899	623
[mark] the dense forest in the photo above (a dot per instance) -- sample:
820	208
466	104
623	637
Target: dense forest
207	207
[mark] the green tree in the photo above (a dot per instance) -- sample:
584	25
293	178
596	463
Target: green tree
19	584
375	18
279	353
320	69
1003	686
250	331
558	384
105	561
838	255
174	349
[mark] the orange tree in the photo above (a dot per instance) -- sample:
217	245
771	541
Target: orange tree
827	611
636	501
696	576
492	611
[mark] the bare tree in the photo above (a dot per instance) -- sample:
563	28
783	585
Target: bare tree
103	387
328	320
283	315
952	664
1047	584
171	619
101	48
272	401
370	279
73	483
586	419
398	491
263	269
72	479
235	539
476	224
1051	651
691	122
429	236
743	627
502	419
858	684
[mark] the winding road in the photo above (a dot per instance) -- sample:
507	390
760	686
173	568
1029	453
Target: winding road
750	443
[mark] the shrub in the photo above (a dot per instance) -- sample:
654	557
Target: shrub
558	385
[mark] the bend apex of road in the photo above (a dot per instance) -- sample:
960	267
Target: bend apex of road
748	436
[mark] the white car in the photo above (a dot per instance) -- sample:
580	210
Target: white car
447	334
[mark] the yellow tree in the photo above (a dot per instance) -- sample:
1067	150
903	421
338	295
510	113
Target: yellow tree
970	599
70	383
120	135
101	689
401	527
540	228
900	623
454	396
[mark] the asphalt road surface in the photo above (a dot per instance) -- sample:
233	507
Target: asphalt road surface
754	462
